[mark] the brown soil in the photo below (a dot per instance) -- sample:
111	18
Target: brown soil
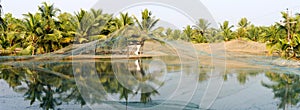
230	51
240	46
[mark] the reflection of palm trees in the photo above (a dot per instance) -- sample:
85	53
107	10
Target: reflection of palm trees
127	87
203	75
285	87
243	76
51	90
145	88
44	87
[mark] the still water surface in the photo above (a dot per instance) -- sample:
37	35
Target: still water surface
144	83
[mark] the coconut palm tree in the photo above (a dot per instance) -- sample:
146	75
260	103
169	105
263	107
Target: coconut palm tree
2	23
226	30
285	39
273	36
33	30
146	26
67	27
91	25
188	31
48	11
124	20
148	21
242	28
50	40
202	26
168	33
11	37
254	33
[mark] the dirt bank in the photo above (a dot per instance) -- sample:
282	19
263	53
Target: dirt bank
234	46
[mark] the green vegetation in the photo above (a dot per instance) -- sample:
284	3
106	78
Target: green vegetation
49	30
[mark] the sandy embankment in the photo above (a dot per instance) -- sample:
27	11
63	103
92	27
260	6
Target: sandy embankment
232	52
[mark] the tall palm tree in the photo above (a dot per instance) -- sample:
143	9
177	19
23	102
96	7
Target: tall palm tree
284	37
91	25
202	26
101	22
242	28
11	37
67	27
254	33
2	23
226	30
176	34
33	30
146	26
188	31
168	33
48	12
50	40
290	26
124	20
148	21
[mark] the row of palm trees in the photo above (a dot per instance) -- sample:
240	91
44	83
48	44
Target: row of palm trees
50	29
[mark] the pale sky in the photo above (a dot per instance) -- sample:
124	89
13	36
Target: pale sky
259	12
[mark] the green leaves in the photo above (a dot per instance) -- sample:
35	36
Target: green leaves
148	21
202	26
90	24
226	30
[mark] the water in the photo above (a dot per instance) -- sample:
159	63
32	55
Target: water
149	83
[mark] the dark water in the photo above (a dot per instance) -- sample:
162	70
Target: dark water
143	83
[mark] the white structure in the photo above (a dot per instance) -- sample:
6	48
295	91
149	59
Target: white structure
134	46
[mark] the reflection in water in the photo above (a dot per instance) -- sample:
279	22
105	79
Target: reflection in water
41	86
52	90
243	76
286	88
142	78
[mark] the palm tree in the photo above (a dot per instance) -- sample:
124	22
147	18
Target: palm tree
226	30
50	40
2	23
254	33
148	22
188	31
91	25
67	27
202	26
146	26
176	34
168	33
33	30
242	28
48	12
283	36
124	20
11	37
214	35
272	33
290	26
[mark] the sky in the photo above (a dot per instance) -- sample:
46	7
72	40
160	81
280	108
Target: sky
259	12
